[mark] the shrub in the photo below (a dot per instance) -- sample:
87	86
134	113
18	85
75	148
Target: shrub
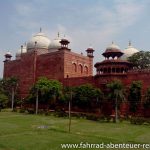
137	120
31	111
60	113
15	110
92	117
47	113
41	111
22	110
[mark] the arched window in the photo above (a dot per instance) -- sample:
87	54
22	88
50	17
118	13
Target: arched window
74	67
80	69
109	70
86	70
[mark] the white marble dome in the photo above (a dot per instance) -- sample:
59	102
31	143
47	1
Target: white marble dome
113	46
55	44
8	53
42	42
129	51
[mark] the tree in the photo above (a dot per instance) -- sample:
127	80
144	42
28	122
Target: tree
140	60
3	96
86	95
147	99
10	86
46	89
135	95
116	94
3	100
12	83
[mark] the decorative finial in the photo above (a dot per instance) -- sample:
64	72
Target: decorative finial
40	29
35	43
64	35
58	34
21	49
129	43
25	43
112	42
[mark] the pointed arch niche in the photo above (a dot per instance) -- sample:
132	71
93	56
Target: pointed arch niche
74	67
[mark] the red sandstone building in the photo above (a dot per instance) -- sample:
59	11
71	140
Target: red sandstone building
54	60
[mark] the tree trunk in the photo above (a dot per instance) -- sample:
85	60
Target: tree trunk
116	110
12	99
37	102
70	110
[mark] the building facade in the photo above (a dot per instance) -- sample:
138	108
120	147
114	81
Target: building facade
54	60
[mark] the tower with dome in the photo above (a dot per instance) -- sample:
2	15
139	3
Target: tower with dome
129	51
113	64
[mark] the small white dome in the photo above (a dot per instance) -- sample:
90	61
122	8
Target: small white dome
129	51
23	49
55	44
8	56
113	46
8	53
42	42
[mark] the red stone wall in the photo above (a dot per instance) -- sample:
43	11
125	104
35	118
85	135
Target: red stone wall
126	79
77	65
56	65
143	76
76	81
23	70
27	73
51	65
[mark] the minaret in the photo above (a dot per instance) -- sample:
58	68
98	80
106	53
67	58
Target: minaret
8	57
58	35
112	52
21	49
40	29
64	44
129	43
90	51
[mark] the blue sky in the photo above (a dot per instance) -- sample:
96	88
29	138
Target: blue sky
83	22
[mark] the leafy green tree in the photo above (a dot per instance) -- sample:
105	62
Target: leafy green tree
66	96
86	95
9	86
116	94
135	95
3	100
140	60
46	90
12	84
3	96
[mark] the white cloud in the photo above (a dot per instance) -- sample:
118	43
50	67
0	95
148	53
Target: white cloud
128	12
107	23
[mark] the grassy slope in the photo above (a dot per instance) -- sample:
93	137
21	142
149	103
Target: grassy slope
21	132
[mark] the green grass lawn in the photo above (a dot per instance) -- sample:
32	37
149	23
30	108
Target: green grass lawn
22	132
